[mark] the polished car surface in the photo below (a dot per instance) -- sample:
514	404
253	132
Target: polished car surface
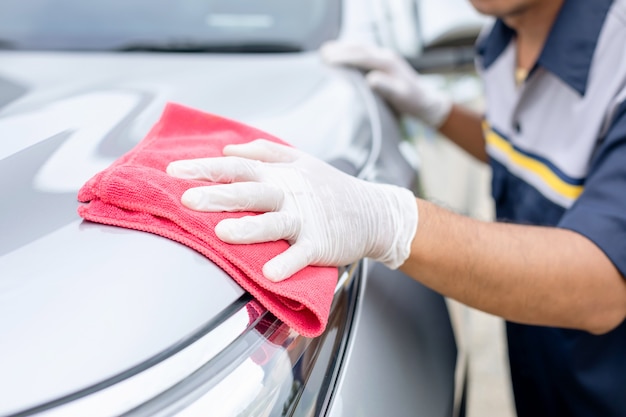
100	321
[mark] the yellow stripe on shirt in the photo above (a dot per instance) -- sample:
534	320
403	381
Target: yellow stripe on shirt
549	177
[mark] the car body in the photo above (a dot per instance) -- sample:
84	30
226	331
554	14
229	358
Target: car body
99	321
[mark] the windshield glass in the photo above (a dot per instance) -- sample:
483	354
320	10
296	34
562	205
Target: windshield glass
161	25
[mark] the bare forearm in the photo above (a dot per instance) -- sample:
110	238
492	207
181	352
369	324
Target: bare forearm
464	127
533	275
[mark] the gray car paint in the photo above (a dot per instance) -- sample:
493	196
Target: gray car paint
80	302
62	278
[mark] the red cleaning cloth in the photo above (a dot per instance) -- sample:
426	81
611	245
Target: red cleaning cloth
135	192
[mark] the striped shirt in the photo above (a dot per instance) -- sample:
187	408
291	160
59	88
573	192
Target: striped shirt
557	148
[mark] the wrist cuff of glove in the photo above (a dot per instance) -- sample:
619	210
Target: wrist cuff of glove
437	110
404	210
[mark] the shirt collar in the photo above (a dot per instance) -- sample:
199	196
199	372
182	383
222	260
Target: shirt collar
570	45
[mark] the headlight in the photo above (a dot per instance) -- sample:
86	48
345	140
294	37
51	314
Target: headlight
246	362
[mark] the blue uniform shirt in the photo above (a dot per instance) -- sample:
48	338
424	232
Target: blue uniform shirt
557	146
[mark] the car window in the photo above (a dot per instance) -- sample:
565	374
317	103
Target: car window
177	25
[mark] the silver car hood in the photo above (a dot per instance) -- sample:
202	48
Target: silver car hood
81	302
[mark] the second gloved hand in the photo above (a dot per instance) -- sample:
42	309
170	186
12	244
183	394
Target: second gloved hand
393	78
329	218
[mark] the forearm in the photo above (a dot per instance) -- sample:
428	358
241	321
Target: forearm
463	126
527	274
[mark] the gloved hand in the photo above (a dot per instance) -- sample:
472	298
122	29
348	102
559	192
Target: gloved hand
330	218
393	78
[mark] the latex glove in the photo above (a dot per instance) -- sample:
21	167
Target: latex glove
330	218
393	78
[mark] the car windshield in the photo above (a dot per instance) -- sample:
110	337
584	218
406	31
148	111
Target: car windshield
168	25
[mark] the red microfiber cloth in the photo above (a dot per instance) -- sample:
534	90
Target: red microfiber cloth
135	192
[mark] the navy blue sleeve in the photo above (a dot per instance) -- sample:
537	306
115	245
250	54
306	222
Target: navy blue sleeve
600	211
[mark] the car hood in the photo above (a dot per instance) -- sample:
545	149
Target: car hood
82	302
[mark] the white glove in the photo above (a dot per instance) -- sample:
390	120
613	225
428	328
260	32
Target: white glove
330	218
393	78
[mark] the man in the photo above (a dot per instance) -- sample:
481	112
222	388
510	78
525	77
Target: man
554	133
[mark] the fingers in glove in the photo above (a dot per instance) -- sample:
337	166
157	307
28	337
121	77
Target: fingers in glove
384	84
221	169
240	196
267	227
282	266
263	150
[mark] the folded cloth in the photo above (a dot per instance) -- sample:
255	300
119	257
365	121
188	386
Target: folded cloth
136	193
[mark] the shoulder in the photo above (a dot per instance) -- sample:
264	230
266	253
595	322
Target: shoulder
615	23
619	9
608	71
